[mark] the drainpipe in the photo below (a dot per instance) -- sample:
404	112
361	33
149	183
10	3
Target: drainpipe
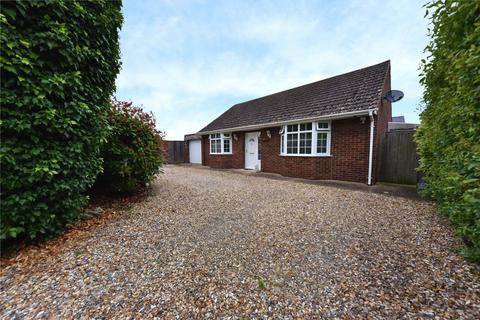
370	148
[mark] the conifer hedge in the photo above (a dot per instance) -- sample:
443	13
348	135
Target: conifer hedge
59	61
449	135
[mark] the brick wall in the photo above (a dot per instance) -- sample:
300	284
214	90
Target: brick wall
350	145
348	160
236	160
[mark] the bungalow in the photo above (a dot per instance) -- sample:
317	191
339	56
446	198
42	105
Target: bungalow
327	129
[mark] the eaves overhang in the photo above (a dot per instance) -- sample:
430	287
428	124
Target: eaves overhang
282	123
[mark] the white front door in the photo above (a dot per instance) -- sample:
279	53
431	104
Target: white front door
195	151
251	151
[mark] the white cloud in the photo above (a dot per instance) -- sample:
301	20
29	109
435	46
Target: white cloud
178	65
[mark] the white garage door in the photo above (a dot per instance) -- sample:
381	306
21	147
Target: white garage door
195	151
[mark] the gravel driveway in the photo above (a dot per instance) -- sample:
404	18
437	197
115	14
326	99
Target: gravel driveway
211	244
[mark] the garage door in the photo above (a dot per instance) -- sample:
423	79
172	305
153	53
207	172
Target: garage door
195	151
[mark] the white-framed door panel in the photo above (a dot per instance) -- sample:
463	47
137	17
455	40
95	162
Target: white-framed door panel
251	150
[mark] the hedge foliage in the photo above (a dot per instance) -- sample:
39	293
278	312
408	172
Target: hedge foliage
59	61
449	134
133	154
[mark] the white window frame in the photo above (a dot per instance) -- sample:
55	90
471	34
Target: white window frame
328	131
222	137
315	129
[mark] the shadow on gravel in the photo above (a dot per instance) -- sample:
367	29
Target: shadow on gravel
397	190
101	208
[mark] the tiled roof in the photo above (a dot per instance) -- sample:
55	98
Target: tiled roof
353	91
398	119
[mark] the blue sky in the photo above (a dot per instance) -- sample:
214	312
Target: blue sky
189	61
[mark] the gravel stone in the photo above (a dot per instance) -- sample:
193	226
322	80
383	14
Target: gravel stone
216	244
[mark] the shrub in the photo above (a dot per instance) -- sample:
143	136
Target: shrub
59	61
133	154
449	135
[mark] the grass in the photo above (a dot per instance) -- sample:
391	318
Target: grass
261	284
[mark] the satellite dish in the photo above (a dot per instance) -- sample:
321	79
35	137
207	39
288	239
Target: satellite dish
394	95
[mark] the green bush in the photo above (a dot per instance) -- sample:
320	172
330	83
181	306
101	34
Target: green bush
449	135
133	154
59	61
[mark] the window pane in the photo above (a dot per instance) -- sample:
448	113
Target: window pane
322	142
306	143
292	143
212	146
292	128
322	125
306	126
218	148
226	145
226	135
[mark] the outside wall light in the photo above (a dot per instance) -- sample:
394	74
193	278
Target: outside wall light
363	119
269	135
235	137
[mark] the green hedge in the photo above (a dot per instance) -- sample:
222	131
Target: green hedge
133	154
59	61
449	134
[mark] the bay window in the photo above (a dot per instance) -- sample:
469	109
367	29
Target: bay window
305	139
221	143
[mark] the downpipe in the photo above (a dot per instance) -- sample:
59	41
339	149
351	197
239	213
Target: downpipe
370	148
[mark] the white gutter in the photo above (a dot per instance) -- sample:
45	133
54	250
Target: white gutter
370	148
279	123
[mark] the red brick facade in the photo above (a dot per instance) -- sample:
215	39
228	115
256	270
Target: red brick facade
236	160
348	160
350	138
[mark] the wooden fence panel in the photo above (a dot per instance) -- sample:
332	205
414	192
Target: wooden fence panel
174	151
398	157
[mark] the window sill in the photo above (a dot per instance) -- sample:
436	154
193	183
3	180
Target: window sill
306	155
220	154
